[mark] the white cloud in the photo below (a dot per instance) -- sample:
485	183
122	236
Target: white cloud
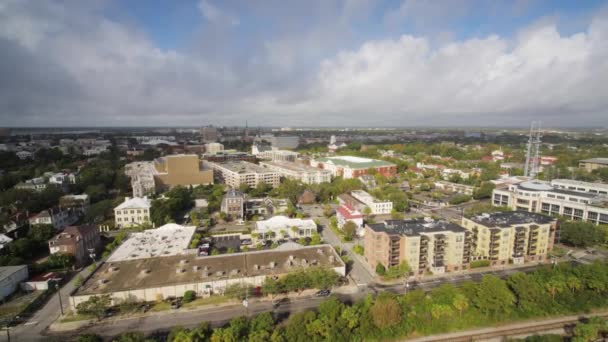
215	15
66	69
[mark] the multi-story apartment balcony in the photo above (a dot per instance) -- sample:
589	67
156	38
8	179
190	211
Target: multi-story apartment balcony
494	257
494	251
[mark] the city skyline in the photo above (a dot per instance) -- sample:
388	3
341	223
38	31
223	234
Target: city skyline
314	64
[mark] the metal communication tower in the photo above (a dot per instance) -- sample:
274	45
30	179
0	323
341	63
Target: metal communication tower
531	168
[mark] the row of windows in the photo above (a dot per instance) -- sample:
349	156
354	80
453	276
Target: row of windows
132	211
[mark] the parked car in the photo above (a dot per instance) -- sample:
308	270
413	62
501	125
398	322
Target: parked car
280	301
323	293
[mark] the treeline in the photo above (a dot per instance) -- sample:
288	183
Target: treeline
558	290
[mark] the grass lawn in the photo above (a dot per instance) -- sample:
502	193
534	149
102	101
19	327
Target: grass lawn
74	317
161	306
212	300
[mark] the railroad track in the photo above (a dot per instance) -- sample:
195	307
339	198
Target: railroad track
508	331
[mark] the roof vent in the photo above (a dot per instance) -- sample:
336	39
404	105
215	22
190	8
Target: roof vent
180	270
234	271
145	271
102	281
256	267
319	251
273	264
112	269
304	262
183	262
291	257
332	259
219	273
205	274
195	268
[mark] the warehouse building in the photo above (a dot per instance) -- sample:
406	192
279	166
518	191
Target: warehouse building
157	278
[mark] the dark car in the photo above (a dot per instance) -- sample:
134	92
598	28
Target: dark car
278	302
323	293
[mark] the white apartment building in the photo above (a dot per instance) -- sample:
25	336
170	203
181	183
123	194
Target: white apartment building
304	173
132	212
540	197
235	173
574	185
377	207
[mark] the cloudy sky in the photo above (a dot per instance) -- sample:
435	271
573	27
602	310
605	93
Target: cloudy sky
309	62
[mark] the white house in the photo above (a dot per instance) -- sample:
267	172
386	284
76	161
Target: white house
276	227
132	212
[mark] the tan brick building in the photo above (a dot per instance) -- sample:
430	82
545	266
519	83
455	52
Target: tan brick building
511	237
181	169
425	244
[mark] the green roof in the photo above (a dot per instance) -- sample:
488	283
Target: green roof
355	162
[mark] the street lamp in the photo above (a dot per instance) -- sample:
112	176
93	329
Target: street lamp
59	294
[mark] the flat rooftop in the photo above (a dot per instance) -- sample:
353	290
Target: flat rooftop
415	227
355	162
241	167
291	166
170	239
510	218
595	160
187	269
573	182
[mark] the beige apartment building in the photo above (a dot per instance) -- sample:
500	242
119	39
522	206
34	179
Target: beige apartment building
235	173
511	237
425	244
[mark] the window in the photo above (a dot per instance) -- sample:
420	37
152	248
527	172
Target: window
568	211
592	216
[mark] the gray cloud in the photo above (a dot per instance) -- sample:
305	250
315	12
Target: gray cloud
65	64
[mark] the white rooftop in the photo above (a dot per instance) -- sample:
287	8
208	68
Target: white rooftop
170	239
135	203
277	223
579	183
4	240
352	159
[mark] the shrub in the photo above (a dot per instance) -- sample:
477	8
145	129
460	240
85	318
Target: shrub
358	249
189	296
480	263
380	269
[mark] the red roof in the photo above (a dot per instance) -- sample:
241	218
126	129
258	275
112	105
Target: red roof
347	212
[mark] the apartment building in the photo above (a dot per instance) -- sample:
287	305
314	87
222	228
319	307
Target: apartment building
511	237
79	241
235	173
377	206
541	197
304	173
132	212
425	244
593	163
353	167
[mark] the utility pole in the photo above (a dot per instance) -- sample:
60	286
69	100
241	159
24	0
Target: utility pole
59	294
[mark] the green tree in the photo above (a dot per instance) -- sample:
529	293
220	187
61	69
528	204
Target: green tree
493	297
315	239
380	269
350	230
580	234
89	338
385	312
394	272
460	303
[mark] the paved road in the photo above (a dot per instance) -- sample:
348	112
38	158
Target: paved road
33	328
